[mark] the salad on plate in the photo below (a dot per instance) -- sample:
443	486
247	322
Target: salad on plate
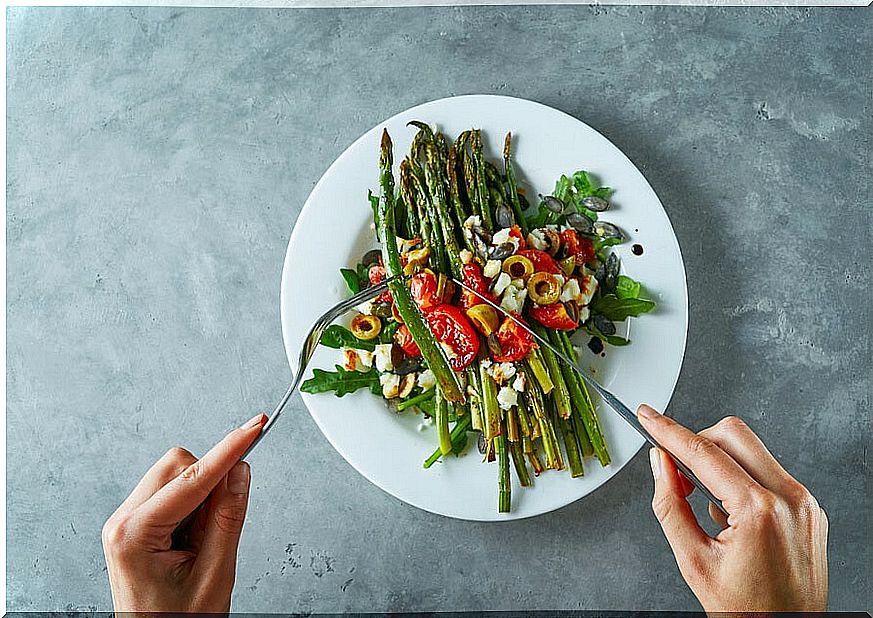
430	347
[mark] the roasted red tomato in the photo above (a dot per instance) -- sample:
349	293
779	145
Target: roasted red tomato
403	338
474	278
553	316
580	247
515	232
515	342
451	326
542	261
423	288
376	274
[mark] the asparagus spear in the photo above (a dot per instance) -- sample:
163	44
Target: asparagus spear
408	310
505	493
560	394
581	399
518	461
442	420
571	447
414	401
481	187
514	201
458	433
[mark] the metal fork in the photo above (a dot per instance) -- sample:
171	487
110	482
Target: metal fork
309	345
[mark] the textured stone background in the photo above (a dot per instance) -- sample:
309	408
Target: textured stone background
157	159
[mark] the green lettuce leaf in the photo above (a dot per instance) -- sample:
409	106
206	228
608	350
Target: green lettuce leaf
625	287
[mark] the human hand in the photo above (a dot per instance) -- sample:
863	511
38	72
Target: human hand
148	569
771	554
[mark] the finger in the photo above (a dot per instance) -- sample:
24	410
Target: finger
723	476
168	467
178	498
719	518
736	439
687	539
223	524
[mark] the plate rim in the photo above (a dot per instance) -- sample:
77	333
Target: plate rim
304	215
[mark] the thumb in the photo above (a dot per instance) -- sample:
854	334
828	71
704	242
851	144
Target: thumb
226	512
687	539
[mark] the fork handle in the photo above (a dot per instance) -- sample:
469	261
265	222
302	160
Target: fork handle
271	420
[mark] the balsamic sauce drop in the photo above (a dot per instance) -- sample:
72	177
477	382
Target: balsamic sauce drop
637	249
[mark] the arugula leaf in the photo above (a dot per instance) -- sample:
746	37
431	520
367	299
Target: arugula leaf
602	192
342	382
625	287
336	337
618	309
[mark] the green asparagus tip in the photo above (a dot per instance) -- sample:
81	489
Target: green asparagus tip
386	156
507	145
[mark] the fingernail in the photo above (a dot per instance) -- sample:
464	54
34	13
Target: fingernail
655	462
238	478
254	422
647	412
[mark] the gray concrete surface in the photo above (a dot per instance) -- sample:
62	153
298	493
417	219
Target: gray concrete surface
157	160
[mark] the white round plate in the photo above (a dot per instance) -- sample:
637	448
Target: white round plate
334	230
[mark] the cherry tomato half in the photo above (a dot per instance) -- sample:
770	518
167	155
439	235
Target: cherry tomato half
474	278
403	338
515	342
553	316
377	274
542	261
451	326
581	248
423	288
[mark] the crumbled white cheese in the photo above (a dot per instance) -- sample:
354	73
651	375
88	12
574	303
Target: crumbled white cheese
492	268
450	353
537	240
518	284
473	220
502	372
365	357
485	364
518	383
426	379
382	356
390	385
571	291
513	299
588	287
502	283
502	236
507	398
584	314
466	256
351	358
